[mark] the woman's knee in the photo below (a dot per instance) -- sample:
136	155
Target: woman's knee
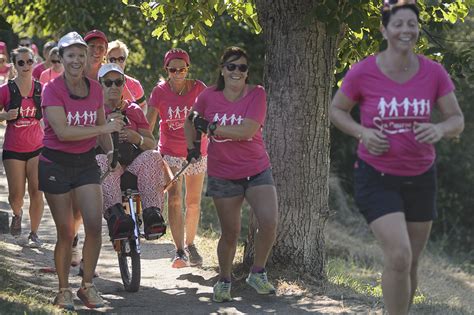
66	233
400	259
230	236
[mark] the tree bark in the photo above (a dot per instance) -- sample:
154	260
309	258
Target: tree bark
300	60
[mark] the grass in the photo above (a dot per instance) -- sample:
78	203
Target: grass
17	297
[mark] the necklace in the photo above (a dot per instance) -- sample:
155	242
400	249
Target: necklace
180	92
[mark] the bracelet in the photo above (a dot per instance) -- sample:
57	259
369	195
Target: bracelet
110	152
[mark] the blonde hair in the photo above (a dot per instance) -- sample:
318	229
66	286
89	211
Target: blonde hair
117	44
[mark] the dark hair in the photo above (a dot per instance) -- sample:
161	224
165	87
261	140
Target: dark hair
230	54
387	13
20	50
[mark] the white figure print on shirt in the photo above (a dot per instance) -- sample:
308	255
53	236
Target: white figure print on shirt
176	117
86	118
398	117
29	113
223	120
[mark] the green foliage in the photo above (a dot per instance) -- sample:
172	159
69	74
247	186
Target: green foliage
191	19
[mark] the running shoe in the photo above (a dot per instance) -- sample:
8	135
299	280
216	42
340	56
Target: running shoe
64	299
222	292
90	296
34	241
15	227
194	258
180	259
259	282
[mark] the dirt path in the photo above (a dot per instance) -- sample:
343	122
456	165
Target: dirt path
163	289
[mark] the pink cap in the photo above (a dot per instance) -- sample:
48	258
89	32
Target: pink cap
176	53
96	34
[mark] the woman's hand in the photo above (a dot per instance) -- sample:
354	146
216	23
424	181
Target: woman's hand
113	125
129	135
10	115
374	141
427	132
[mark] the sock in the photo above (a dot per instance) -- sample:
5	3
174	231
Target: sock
257	269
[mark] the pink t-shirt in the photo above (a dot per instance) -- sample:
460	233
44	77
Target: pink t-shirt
82	112
37	70
393	108
5	73
135	116
173	110
133	90
48	74
25	134
235	159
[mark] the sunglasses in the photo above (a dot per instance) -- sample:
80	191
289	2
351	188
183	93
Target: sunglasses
117	82
232	66
55	61
2	60
24	45
390	4
120	59
21	63
177	70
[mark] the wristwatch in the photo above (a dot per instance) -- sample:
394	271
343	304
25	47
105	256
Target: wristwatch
212	127
141	141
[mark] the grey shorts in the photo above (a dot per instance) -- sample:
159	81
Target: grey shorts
226	188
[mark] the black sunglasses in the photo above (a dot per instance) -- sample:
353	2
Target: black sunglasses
117	82
24	45
55	61
21	63
178	70
120	59
232	66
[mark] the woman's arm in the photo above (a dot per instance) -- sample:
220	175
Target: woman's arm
246	130
451	125
189	133
57	120
152	117
340	115
135	137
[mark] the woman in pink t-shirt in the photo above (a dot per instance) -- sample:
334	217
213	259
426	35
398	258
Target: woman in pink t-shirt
56	68
23	142
117	52
6	69
239	166
395	175
136	155
68	172
171	102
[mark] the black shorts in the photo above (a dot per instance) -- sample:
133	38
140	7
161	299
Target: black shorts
378	194
226	188
22	156
55	178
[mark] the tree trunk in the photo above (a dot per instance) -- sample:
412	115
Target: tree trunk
299	76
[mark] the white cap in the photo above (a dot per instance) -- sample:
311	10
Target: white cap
72	38
109	67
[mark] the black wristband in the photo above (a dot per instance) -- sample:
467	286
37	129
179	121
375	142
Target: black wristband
212	128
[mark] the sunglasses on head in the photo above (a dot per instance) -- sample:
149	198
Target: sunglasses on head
390	4
177	70
232	66
21	63
55	61
117	82
120	59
